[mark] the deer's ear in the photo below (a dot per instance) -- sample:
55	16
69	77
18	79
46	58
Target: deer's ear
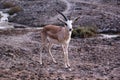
76	19
65	24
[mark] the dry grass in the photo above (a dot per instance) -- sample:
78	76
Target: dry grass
15	9
8	5
84	32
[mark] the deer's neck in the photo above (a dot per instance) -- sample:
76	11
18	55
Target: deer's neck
68	33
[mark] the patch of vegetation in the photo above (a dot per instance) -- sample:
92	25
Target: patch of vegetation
84	32
15	9
8	5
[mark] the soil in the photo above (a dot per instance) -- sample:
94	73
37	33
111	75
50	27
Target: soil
93	58
90	58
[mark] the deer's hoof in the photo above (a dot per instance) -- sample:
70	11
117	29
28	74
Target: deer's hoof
55	61
68	68
40	62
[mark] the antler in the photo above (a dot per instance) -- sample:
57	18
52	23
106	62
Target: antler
62	15
61	20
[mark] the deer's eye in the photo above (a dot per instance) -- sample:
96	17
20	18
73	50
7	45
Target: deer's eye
66	24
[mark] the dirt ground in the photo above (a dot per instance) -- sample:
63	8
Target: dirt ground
90	58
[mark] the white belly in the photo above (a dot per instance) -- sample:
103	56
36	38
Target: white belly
54	41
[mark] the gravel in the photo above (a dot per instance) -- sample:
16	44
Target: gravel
90	58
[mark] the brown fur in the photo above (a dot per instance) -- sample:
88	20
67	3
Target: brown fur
56	32
52	34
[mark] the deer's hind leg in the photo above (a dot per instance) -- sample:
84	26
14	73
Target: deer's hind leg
43	44
49	49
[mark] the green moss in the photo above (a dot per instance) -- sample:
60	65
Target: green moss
14	10
8	5
84	32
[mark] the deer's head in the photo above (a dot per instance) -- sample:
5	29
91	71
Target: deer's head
66	21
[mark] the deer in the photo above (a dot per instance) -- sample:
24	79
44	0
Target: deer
60	35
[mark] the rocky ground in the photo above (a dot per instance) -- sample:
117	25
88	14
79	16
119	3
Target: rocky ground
90	58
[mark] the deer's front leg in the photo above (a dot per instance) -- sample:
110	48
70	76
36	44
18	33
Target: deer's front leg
65	51
67	57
